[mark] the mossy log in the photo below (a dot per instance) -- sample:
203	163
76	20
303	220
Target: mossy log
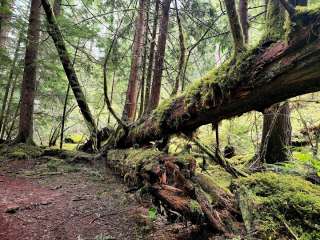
269	73
176	186
279	206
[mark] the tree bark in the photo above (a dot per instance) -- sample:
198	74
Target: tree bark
280	136
10	84
5	15
235	26
243	15
56	35
182	52
10	105
57	7
274	21
134	82
271	73
28	87
159	57
151	55
144	61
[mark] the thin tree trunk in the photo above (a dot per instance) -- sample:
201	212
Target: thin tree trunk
57	7
134	82
56	35
243	15
111	94
5	15
28	87
144	61
182	52
16	113
64	115
159	57
235	27
151	55
8	111
9	83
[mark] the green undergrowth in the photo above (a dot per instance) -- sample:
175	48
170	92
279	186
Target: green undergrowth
20	151
59	165
303	164
280	206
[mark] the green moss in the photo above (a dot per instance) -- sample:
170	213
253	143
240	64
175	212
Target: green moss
304	16
195	207
282	200
20	151
275	20
54	164
129	163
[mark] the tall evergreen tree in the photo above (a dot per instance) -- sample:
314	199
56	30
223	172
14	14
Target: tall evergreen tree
28	87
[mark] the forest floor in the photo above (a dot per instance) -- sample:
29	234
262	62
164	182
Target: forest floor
73	202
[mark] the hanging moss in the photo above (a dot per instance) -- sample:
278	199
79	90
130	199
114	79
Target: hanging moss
282	205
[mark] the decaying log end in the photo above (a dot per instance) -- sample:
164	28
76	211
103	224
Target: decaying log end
174	183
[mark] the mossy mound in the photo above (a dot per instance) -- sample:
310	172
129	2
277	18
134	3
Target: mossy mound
278	206
20	151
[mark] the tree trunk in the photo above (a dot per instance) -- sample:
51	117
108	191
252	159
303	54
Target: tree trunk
5	15
8	111
274	148
182	52
151	55
57	7
274	21
271	73
28	87
144	61
243	15
10	83
134	82
15	115
111	93
56	35
159	57
235	26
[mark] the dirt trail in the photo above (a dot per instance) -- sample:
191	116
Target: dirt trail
72	205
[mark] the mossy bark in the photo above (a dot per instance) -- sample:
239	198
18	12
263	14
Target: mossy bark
57	37
235	26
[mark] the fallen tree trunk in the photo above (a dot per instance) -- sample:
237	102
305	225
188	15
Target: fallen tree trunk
177	187
270	73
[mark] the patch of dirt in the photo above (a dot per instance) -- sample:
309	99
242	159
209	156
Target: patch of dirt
75	205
